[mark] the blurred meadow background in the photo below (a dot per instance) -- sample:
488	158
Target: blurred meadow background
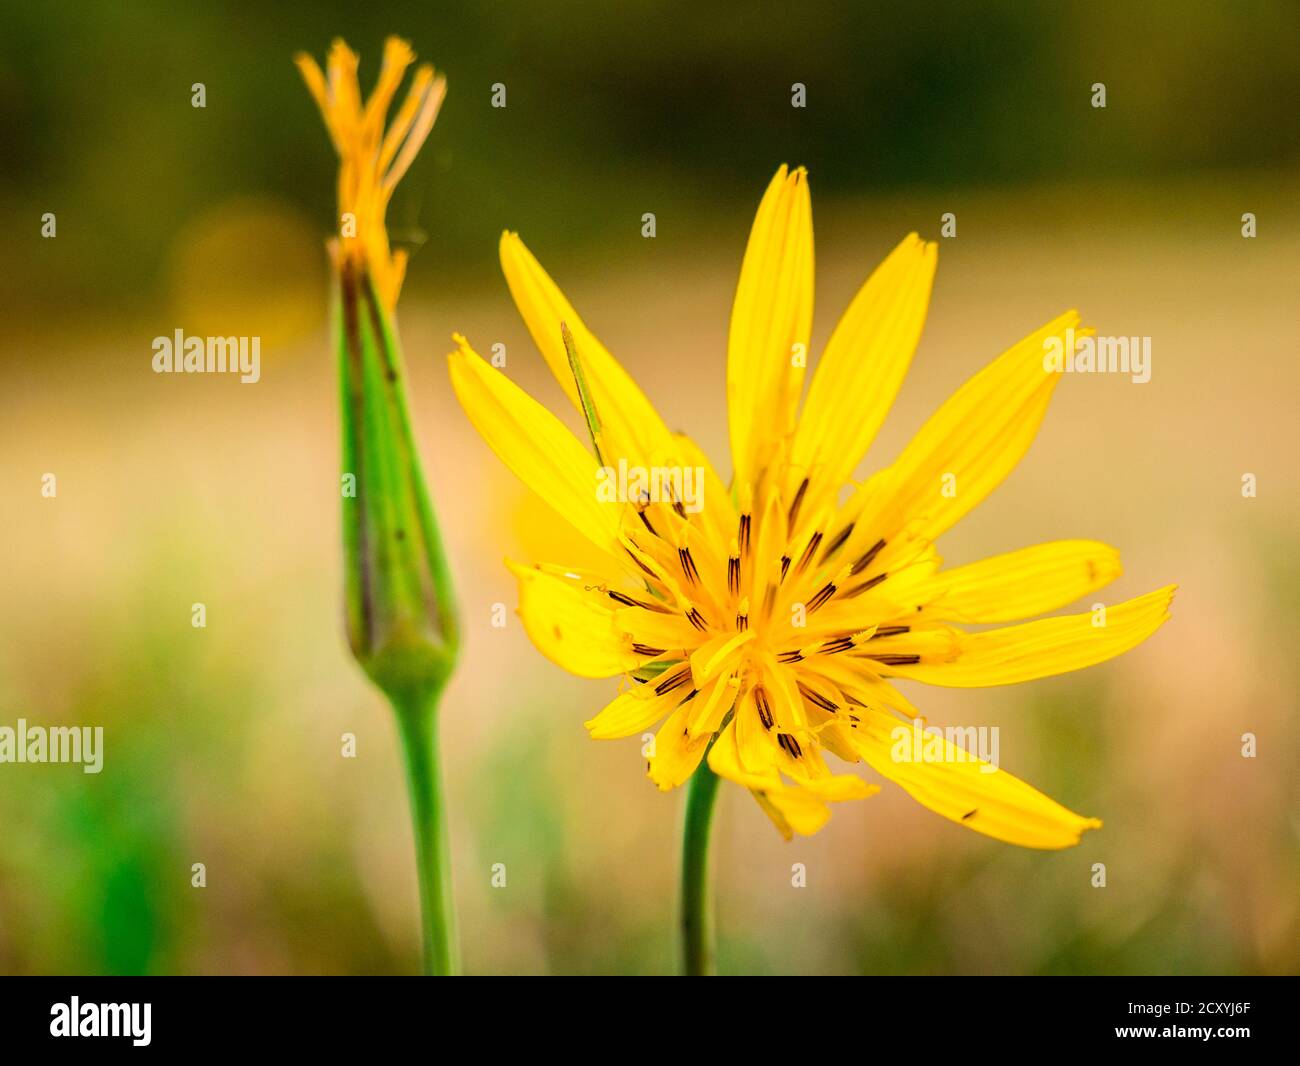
223	743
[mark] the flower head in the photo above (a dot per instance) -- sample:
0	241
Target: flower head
766	628
372	159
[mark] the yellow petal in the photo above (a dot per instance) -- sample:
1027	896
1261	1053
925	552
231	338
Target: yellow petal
655	629
852	677
630	712
717	653
793	810
861	369
725	760
1043	648
770	323
710	707
965	789
1015	585
632	429
574	628
965	450
756	745
719	511
535	445
783	694
677	753
316	85
397	57
810	772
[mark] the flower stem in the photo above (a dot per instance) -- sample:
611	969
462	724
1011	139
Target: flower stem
696	888
417	725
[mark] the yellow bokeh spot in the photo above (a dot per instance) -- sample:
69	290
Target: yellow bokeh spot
250	267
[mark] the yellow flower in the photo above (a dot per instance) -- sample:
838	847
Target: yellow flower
767	626
371	160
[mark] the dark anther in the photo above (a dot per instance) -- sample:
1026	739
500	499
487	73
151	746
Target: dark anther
867	559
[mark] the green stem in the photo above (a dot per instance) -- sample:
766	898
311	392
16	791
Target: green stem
417	725
696	888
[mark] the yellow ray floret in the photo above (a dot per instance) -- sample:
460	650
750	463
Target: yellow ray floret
634	430
1019	584
965	789
760	625
572	621
771	320
534	444
1046	647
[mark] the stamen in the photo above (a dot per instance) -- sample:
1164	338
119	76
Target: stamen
696	619
806	558
785	566
790	657
824	593
838	542
645	519
628	601
828	590
845	643
807	553
896	660
639	562
798	499
817	698
644	649
890	631
789	744
673	681
742	615
688	565
743	534
733	569
764	707
865	586
769	598
867	559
